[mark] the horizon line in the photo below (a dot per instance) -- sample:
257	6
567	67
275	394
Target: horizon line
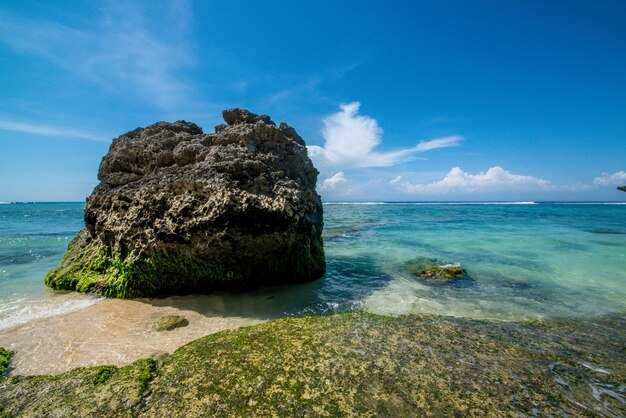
373	201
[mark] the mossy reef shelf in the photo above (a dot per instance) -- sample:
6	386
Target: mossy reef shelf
354	365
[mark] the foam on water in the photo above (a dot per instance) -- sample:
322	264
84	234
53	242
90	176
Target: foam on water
33	238
22	310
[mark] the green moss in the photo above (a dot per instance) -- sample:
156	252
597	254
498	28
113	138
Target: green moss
433	270
2	413
170	322
146	374
353	365
88	266
302	260
104	373
441	272
5	361
96	391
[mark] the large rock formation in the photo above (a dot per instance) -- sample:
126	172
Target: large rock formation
179	211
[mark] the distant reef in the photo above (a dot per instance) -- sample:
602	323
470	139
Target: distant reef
179	211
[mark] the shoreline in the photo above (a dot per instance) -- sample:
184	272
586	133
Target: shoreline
111	331
120	331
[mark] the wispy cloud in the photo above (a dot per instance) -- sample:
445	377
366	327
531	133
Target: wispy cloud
396	180
445	142
308	87
350	141
57	131
576	187
495	179
123	51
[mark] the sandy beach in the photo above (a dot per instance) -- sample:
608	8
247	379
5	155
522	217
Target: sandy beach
113	331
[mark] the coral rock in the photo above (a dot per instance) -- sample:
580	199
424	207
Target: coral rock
178	211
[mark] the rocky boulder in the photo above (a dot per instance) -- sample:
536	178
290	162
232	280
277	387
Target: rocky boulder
435	272
170	322
178	211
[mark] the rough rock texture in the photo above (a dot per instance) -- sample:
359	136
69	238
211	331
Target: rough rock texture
170	322
433	271
355	365
178	211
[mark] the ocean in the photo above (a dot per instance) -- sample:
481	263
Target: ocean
524	260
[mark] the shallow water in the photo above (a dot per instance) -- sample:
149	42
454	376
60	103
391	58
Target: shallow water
33	238
524	261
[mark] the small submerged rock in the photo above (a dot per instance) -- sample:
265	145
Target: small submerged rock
170	322
433	271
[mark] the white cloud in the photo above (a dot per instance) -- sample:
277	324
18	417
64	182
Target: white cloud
610	179
351	140
46	130
603	180
123	52
333	181
459	181
448	141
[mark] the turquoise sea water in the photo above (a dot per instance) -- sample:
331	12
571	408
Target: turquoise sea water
524	261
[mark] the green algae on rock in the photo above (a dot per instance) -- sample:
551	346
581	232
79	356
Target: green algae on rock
170	322
5	361
93	391
355	365
178	211
433	271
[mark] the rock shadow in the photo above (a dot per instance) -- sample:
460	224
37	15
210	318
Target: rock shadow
347	282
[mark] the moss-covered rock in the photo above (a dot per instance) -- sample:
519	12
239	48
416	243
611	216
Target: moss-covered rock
5	361
170	322
94	391
434	271
89	266
355	365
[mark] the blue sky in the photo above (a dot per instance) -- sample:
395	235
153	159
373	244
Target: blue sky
447	100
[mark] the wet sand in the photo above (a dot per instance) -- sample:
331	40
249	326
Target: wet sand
113	331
